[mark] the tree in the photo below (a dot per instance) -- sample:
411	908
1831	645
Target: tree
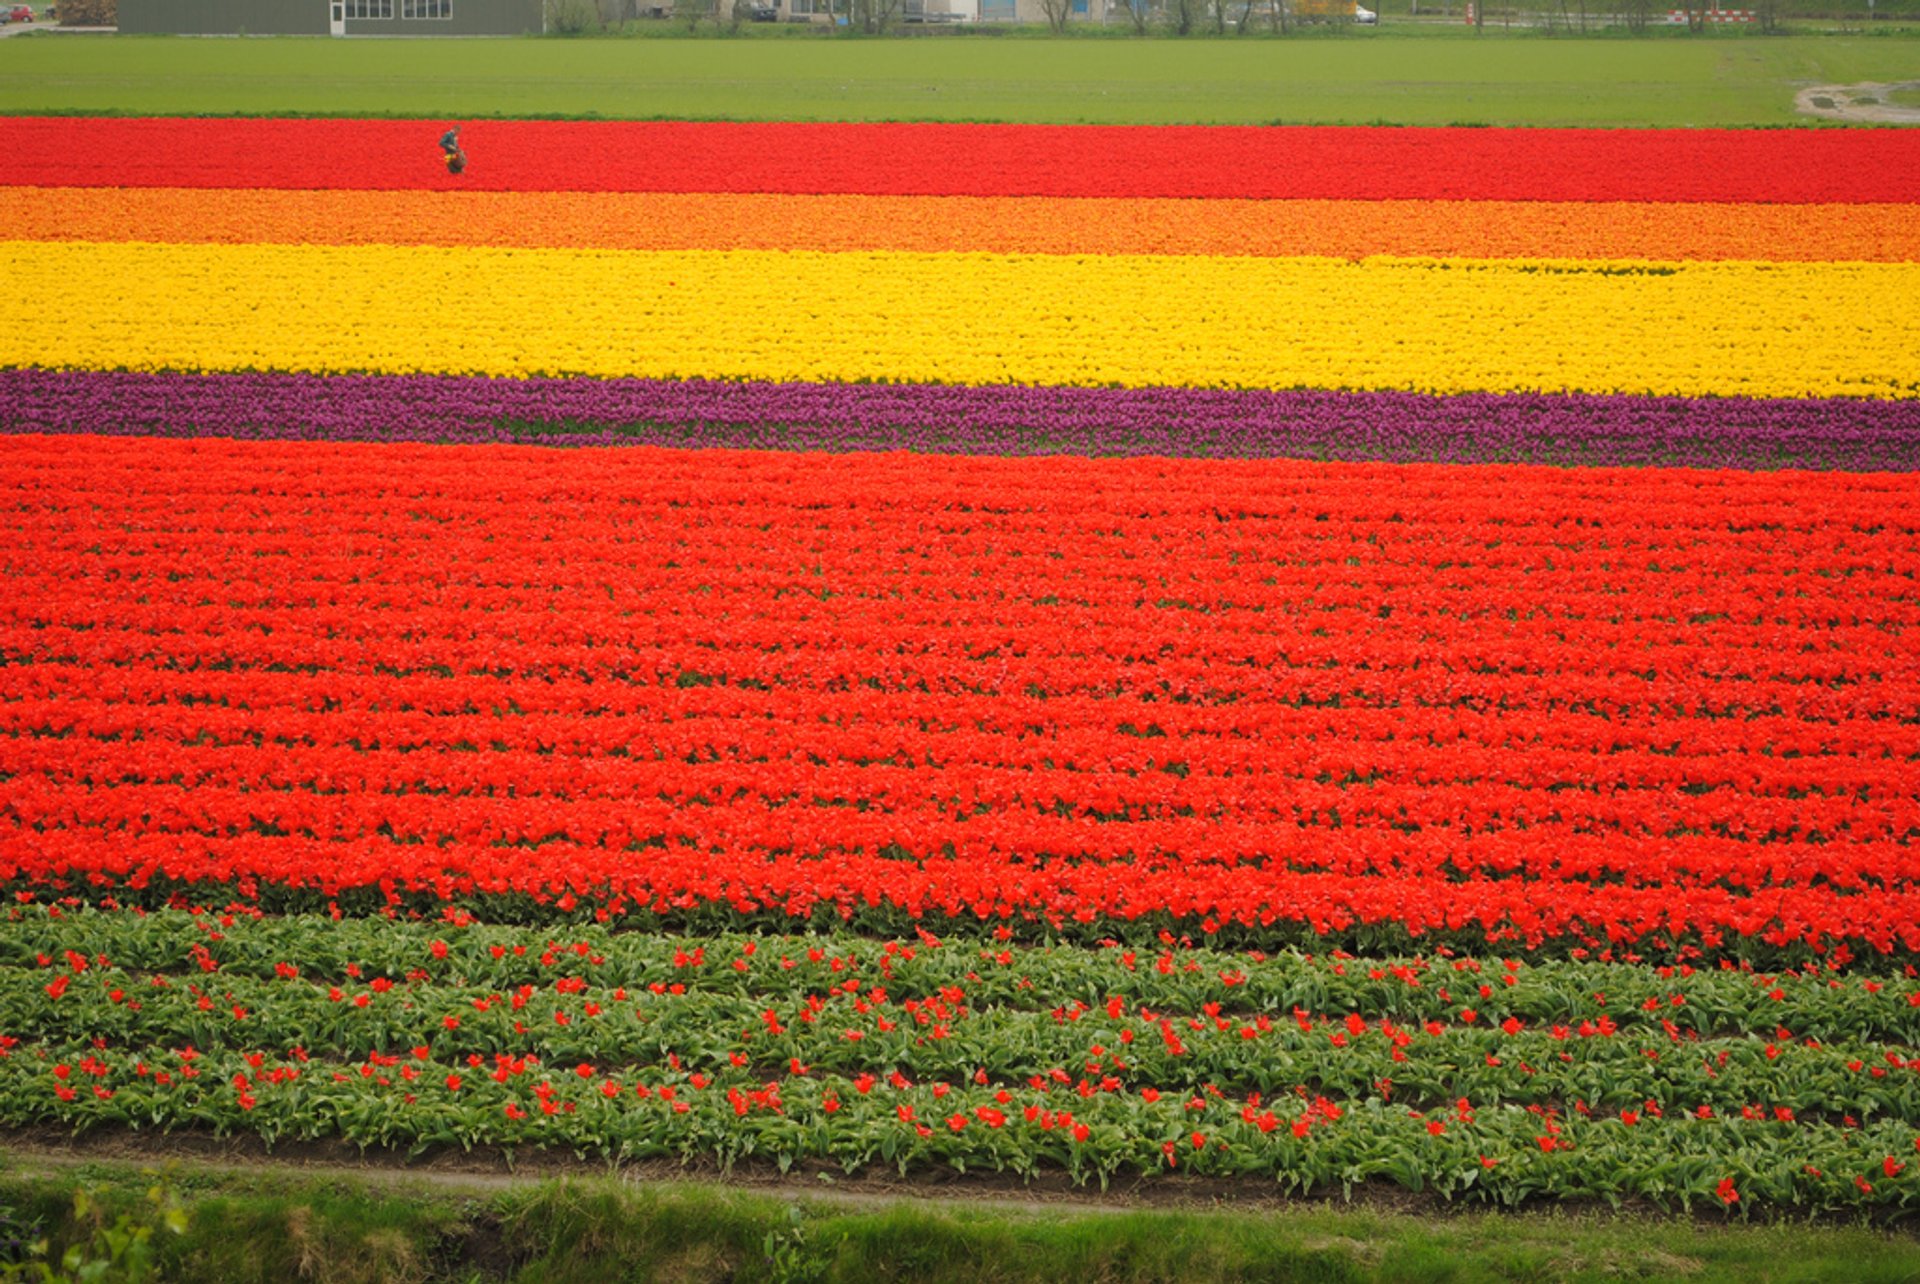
1184	12
1056	12
572	17
1141	14
873	16
89	13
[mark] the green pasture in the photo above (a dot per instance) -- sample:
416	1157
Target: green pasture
1415	75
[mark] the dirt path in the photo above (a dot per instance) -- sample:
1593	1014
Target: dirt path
452	1175
483	1173
1864	103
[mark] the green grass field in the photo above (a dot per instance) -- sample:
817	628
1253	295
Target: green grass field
1364	78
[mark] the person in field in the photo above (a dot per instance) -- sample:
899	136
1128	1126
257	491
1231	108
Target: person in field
450	151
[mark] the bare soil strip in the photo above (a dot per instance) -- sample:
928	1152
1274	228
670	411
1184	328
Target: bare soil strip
482	1172
452	1173
1865	103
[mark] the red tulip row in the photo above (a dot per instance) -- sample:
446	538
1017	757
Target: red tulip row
1701	165
1219	781
1519	700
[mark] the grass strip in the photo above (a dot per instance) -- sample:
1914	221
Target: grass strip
1400	76
241	1226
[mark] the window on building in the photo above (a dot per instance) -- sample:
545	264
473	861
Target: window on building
801	8
426	8
369	8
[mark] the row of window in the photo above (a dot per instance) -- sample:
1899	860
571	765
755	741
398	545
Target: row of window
408	8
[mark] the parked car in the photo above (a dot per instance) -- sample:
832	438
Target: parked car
1365	16
20	13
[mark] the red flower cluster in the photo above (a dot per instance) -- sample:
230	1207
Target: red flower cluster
1298	162
1521	701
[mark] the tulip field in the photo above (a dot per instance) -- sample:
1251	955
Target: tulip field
1307	656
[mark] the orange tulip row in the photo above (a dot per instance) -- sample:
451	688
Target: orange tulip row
1613	230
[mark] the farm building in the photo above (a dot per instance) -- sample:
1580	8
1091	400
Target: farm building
331	17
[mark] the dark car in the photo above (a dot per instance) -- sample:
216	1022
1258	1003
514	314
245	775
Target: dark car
765	13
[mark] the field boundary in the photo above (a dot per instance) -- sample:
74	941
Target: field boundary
1721	81
447	1171
350	1222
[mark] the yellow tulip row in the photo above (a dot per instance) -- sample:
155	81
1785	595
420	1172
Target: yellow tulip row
1729	328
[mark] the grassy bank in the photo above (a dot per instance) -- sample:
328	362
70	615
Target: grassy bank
239	1226
1384	77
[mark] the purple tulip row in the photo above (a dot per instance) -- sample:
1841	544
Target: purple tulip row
1844	434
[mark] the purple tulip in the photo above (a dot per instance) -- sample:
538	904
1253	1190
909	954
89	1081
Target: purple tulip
1568	429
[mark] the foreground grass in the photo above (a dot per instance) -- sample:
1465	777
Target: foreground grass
1364	78
243	1227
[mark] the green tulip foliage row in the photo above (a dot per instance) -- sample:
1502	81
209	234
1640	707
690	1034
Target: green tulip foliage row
1483	1077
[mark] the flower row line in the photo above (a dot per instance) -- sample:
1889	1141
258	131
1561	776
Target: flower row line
1043	764
917	1049
1612	230
1012	965
1495	1152
912	874
1719	329
214	717
1460	1072
753	814
1695	165
1842	433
